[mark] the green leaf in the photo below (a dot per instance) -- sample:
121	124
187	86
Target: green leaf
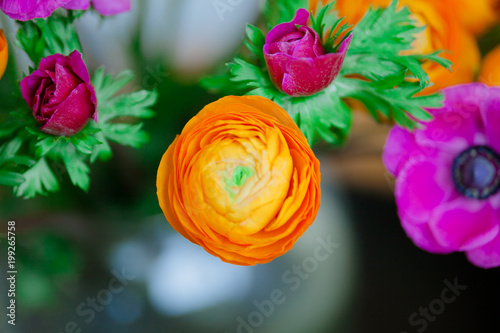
44	146
107	86
131	105
78	171
10	178
376	54
102	151
255	42
322	116
43	37
244	71
118	116
126	134
326	24
38	180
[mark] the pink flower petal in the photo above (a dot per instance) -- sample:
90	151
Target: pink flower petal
276	33
71	115
486	256
399	147
450	131
422	187
30	9
111	7
78	5
464	224
422	236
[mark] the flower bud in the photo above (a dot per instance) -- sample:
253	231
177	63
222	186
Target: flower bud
296	59
60	94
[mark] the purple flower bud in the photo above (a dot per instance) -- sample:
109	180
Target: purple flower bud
60	94
296	59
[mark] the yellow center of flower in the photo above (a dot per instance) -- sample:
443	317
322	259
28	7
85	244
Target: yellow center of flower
244	173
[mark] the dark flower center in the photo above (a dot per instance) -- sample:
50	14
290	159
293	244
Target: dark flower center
476	172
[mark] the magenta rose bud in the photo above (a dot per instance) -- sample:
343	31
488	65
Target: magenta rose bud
60	94
296	59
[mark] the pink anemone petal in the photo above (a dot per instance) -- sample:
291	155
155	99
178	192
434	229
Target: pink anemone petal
78	5
423	238
111	7
464	224
486	256
400	146
422	187
301	18
449	131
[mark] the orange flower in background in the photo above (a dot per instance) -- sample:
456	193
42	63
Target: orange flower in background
4	53
478	15
490	71
240	180
444	32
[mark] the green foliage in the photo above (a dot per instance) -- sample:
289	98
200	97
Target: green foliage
118	115
376	72
43	37
29	157
393	78
330	37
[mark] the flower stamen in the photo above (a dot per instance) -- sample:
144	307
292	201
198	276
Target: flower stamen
476	172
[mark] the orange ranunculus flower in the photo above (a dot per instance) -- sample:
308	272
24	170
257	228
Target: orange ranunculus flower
444	32
240	180
478	15
4	53
490	71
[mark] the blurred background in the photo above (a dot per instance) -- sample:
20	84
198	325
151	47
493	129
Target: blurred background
108	261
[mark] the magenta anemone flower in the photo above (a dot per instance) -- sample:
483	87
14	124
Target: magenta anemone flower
296	59
448	175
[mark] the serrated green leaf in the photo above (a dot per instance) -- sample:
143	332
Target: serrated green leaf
322	116
78	171
10	178
38	181
44	146
126	134
244	71
255	42
107	86
102	151
9	149
135	105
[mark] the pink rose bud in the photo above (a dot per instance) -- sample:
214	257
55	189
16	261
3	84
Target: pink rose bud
296	59
60	94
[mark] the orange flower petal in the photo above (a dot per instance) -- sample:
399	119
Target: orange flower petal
4	53
490	71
